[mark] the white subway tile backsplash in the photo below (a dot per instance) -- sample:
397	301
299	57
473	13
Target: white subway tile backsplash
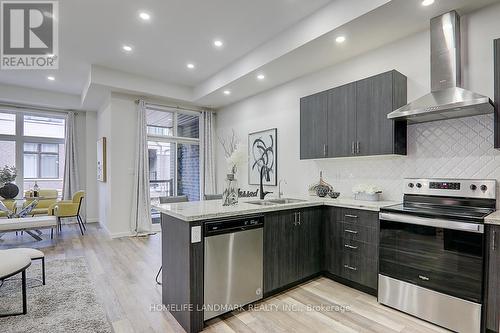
455	148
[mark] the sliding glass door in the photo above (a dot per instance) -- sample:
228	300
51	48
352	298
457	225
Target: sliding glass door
173	155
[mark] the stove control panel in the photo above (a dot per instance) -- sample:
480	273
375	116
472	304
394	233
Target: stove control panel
466	188
444	185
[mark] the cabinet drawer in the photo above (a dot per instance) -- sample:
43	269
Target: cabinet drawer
359	248
356	232
361	217
360	269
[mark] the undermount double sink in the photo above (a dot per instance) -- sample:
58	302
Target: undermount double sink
272	202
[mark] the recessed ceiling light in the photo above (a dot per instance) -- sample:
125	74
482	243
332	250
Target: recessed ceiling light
427	2
51	78
218	43
190	66
227	92
127	48
340	39
144	16
261	77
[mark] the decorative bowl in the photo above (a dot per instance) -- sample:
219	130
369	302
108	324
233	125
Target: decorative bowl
333	195
322	190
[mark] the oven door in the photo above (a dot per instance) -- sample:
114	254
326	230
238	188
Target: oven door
441	255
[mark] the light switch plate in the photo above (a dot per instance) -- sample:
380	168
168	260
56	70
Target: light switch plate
196	234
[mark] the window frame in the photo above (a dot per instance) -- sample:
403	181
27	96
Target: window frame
19	139
39	153
175	140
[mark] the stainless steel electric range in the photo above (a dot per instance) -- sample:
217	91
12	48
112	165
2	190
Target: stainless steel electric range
432	251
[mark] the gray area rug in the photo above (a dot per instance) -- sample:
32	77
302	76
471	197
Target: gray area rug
67	303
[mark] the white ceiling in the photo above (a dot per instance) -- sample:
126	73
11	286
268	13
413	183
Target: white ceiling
284	39
180	31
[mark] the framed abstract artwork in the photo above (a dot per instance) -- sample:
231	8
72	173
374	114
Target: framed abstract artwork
263	157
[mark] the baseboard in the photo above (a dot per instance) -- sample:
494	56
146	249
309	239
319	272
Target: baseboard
351	284
92	220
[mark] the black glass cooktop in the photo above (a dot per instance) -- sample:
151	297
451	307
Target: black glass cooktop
470	214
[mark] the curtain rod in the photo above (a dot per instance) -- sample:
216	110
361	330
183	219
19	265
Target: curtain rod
171	106
35	108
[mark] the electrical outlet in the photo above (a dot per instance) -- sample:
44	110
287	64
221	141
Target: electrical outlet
196	234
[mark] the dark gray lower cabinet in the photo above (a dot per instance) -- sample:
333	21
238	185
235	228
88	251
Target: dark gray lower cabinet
492	298
496	47
292	247
351	245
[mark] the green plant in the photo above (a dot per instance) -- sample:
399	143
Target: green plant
7	174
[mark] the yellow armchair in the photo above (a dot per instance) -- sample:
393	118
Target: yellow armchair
42	208
10	204
69	208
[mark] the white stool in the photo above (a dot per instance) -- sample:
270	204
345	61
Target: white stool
33	254
12	263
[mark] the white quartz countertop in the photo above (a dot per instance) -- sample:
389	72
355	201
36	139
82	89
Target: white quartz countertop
211	209
493	218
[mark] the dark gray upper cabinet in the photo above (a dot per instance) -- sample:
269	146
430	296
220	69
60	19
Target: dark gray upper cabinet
356	118
497	92
313	110
341	120
376	97
492	297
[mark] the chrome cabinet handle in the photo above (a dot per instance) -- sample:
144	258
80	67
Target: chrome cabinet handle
350	246
351	231
350	267
357	147
425	278
352	148
324	150
295	218
494	245
351	216
299	221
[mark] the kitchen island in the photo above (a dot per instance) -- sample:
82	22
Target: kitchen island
302	239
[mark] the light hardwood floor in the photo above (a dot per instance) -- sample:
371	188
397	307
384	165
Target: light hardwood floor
123	272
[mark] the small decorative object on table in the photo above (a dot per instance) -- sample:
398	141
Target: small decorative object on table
8	190
235	155
322	188
333	195
367	192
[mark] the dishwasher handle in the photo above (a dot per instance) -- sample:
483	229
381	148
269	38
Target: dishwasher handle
233	225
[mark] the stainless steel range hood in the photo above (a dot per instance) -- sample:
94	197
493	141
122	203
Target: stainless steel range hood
447	99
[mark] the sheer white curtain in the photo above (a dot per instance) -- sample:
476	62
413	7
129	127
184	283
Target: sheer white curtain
70	180
208	146
141	204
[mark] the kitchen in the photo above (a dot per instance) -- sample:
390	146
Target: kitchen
443	160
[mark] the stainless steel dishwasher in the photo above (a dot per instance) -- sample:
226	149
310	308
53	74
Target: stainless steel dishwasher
233	273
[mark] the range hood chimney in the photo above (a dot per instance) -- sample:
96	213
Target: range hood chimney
447	98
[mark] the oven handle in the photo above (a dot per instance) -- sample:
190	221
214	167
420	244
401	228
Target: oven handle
431	222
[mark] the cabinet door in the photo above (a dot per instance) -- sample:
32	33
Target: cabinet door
313	126
374	101
333	242
497	92
310	243
280	250
341	120
493	279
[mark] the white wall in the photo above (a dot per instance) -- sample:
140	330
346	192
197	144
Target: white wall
117	122
430	145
